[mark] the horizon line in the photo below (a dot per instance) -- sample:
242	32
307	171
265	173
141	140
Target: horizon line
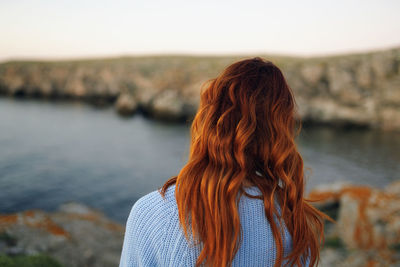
195	54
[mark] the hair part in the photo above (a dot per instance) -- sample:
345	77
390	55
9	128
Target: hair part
246	124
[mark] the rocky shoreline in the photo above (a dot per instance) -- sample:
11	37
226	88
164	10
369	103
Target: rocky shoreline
357	89
366	232
75	236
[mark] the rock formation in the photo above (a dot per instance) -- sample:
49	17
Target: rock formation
358	89
75	235
366	232
367	223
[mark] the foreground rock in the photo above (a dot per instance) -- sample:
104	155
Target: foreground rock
366	233
75	235
367	223
359	89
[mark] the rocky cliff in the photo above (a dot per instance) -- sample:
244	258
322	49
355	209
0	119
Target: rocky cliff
358	89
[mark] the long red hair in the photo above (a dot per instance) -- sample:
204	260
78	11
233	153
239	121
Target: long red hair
245	123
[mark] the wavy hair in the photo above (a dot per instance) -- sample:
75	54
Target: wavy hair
246	124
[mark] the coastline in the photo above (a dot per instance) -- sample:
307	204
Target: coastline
344	90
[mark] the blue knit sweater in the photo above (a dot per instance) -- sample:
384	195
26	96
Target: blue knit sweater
154	237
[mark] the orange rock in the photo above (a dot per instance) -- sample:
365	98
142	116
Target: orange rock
368	218
8	219
54	228
34	219
326	194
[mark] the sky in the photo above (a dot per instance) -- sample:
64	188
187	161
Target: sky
48	29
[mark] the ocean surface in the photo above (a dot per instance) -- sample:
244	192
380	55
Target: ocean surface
51	153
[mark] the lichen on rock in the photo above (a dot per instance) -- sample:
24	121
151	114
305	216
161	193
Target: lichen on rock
75	235
368	220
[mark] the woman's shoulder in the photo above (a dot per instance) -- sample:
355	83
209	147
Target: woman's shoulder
146	228
155	201
153	205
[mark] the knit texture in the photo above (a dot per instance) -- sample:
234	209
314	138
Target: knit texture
154	236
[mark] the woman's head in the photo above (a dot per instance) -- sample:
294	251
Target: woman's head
244	131
246	118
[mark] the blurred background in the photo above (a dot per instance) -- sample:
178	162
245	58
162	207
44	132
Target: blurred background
97	97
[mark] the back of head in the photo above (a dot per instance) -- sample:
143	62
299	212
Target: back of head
243	133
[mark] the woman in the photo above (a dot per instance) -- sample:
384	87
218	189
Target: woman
239	201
